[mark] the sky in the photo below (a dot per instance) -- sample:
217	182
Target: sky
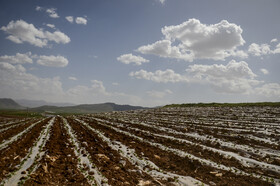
140	52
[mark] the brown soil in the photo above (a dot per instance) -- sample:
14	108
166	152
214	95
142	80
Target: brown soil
12	123
112	167
59	164
173	163
11	156
13	131
196	150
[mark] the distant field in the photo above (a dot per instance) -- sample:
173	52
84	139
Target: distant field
191	145
257	104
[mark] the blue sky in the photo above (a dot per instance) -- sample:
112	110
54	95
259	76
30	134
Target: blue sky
140	52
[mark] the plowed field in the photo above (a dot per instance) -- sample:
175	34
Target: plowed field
164	146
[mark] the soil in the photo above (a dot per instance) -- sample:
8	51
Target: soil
111	167
12	156
255	127
173	163
59	164
15	130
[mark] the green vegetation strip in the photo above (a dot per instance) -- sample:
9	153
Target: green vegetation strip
259	104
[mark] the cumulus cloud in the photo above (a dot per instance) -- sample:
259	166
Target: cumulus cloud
99	87
258	50
17	59
78	20
277	49
274	40
51	25
164	49
129	58
16	82
194	40
159	76
263	49
264	71
159	94
38	8
69	19
271	90
97	91
161	1
72	78
52	61
20	31
81	20
230	71
235	77
52	12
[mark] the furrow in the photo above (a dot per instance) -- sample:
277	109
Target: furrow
90	171
190	156
34	153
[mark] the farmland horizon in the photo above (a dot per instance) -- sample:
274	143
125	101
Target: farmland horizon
23	103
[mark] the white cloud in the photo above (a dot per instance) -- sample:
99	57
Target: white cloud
274	40
164	49
159	94
17	83
69	18
52	61
38	8
239	53
269	90
258	50
96	91
52	12
161	1
159	76
263	49
81	20
197	41
51	25
99	87
230	71
235	77
17	59
115	84
78	20
277	49
129	58
72	78
20	31
264	71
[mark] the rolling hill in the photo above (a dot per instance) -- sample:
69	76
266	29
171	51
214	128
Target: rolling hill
87	108
10	104
7	103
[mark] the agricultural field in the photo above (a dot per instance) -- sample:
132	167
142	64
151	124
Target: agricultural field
163	146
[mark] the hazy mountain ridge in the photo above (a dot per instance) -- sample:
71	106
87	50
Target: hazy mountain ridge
7	103
38	103
87	108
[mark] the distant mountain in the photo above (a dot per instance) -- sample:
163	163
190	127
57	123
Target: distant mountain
7	103
87	108
39	103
